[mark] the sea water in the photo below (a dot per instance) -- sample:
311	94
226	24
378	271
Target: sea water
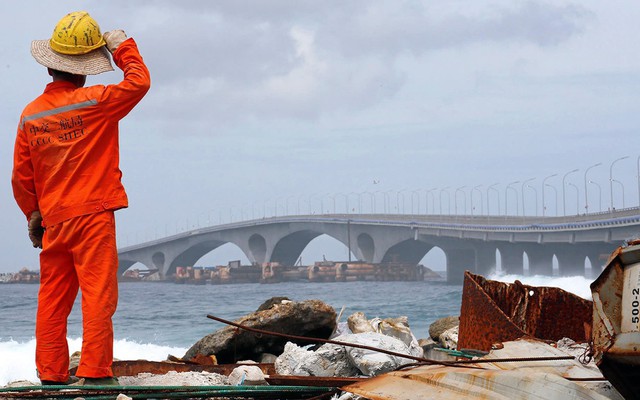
154	320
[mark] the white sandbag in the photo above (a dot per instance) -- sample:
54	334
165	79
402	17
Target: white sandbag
328	360
358	323
370	362
247	375
399	329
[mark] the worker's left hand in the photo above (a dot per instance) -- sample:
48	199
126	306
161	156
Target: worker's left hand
114	39
36	230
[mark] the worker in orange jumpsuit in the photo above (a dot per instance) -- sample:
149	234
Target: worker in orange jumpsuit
66	180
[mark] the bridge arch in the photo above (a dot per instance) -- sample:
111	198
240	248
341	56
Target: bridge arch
192	254
290	247
407	251
125	264
435	259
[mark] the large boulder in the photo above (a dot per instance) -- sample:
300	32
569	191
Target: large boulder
309	318
438	327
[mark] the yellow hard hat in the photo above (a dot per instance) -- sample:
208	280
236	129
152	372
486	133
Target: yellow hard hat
76	33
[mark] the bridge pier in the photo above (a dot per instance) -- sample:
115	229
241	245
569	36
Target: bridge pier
485	260
511	257
540	260
571	261
459	260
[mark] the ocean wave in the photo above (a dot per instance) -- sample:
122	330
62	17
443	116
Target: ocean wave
17	358
578	285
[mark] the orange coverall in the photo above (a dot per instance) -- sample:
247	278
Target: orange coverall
66	165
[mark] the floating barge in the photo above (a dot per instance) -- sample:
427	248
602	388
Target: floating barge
323	271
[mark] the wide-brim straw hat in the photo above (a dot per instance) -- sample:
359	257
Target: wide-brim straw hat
92	63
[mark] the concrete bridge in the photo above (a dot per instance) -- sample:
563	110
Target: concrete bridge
468	242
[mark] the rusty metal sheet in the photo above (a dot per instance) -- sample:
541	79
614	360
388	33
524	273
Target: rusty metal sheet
322	381
446	383
616	320
134	367
495	312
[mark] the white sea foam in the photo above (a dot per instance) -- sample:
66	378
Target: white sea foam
578	285
17	359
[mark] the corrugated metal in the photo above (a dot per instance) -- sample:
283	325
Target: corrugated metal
495	312
440	383
495	380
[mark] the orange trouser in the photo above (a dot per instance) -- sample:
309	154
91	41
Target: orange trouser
77	253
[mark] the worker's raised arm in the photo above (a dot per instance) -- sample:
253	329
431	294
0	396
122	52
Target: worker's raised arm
123	96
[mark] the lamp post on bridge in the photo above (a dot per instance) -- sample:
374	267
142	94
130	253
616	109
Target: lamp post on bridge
444	189
359	202
577	197
492	187
522	192
611	180
555	192
310	201
599	194
322	196
535	192
586	197
398	194
287	203
372	200
506	197
564	203
433	201
417	193
621	187
387	201
375	206
455	200
346	202
477	188
544	205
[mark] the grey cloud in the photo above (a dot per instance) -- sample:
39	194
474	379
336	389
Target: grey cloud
382	29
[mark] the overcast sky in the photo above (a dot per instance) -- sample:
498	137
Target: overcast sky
302	104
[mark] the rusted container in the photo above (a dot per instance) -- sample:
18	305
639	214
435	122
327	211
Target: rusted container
494	312
616	320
